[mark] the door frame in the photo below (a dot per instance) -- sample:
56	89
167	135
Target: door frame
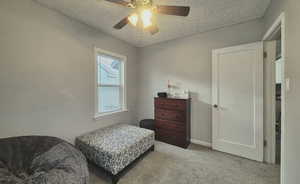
259	100
279	24
269	101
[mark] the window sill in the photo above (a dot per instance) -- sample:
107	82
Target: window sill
101	115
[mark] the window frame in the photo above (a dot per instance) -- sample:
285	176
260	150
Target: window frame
123	97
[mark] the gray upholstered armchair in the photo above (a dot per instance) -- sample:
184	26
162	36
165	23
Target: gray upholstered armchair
41	160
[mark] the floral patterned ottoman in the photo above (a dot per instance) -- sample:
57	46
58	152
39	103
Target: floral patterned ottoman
115	147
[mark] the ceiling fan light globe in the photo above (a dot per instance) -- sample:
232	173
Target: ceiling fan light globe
147	23
133	19
146	16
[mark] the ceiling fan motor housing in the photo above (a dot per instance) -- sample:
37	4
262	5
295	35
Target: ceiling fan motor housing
141	3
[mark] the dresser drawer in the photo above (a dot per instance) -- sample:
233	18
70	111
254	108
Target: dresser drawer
164	114
171	137
170	104
176	132
175	126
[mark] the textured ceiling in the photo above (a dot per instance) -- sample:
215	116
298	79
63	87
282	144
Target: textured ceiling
205	15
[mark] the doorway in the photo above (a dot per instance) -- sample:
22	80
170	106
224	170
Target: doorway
278	97
275	88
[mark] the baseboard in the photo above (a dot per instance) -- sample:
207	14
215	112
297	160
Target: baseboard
202	143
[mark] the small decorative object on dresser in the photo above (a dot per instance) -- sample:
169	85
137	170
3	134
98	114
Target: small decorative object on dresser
172	121
162	95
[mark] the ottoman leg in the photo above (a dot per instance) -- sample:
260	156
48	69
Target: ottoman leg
152	148
115	179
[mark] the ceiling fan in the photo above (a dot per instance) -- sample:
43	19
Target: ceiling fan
144	13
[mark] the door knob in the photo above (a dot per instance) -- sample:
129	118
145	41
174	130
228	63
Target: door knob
215	106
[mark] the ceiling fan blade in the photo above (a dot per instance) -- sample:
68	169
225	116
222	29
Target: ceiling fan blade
173	10
122	23
120	2
153	29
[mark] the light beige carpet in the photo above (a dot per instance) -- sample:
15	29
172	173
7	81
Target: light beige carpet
196	165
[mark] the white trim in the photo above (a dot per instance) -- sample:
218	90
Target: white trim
98	50
202	143
101	115
270	103
280	21
124	108
274	28
234	48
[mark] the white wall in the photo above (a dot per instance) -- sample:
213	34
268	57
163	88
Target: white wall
187	61
292	71
47	72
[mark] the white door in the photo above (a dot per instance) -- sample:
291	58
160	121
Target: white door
269	100
238	100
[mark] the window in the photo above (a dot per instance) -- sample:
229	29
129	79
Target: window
110	93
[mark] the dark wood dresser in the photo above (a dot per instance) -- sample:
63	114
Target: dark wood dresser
173	121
